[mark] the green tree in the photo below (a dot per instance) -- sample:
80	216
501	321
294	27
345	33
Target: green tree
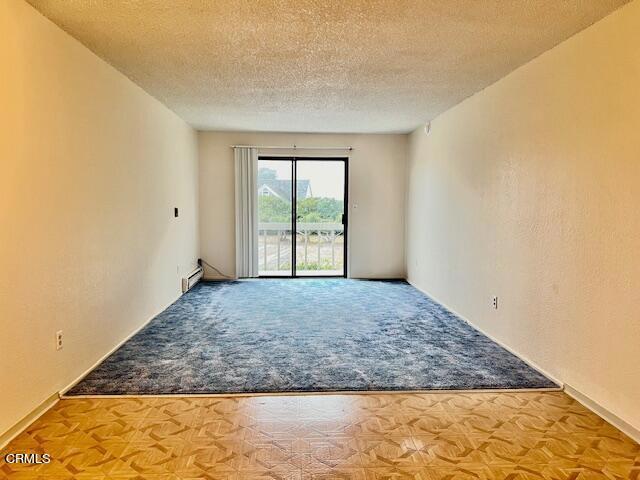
310	210
265	173
320	209
273	209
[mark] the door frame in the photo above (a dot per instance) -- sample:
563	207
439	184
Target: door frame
294	217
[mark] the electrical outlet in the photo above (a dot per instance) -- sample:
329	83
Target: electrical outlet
59	340
495	303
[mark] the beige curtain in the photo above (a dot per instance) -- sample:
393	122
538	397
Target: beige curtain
246	162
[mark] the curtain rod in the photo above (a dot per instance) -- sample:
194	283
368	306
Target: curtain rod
291	147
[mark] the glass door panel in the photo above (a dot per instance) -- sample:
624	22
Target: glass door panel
320	198
275	218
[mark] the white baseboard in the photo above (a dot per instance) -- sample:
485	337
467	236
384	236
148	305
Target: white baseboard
22	424
104	357
599	410
526	360
28	419
610	417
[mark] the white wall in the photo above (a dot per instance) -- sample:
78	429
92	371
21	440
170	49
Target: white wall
90	170
377	186
529	190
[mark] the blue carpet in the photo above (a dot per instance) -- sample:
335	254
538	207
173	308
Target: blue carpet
306	335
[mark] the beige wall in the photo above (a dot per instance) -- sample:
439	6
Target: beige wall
529	190
526	191
377	187
90	170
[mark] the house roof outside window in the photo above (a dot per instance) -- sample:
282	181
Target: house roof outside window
268	185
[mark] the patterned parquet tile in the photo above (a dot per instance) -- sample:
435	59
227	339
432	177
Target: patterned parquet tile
479	436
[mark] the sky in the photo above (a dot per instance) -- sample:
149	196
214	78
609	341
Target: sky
326	177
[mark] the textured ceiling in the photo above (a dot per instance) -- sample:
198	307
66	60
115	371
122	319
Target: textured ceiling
318	65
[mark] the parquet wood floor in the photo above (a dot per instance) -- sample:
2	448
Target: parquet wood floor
480	436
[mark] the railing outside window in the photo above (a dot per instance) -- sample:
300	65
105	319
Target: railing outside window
319	246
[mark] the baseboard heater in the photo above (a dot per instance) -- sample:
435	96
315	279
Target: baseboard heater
190	280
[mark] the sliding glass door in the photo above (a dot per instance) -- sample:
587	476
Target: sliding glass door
320	212
275	218
302	216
